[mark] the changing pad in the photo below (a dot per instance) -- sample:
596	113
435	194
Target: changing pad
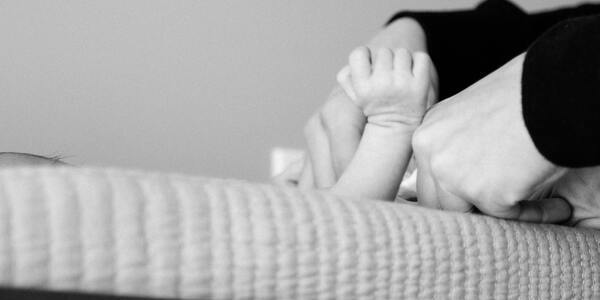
155	234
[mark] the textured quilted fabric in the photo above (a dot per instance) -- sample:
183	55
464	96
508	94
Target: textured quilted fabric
154	234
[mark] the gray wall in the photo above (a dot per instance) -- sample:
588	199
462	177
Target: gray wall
203	87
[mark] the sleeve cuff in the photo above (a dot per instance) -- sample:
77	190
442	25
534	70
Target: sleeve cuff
561	93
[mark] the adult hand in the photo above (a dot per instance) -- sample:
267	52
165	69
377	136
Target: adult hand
581	188
473	150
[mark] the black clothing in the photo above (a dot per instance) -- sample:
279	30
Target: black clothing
467	45
561	92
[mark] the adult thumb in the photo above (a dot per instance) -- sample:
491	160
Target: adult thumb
551	210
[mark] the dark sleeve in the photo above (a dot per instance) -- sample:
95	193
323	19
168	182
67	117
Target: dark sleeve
467	45
542	21
561	92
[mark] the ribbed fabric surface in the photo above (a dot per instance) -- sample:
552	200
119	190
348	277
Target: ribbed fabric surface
153	234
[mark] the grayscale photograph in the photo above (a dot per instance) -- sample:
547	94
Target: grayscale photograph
281	150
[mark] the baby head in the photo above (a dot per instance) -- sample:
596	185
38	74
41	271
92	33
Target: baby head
15	159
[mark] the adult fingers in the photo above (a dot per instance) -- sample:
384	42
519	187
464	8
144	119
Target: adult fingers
431	194
426	187
551	210
451	202
319	153
360	64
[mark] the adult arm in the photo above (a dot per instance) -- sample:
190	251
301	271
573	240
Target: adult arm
473	151
502	144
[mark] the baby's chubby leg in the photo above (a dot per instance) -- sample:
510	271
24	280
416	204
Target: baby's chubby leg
392	90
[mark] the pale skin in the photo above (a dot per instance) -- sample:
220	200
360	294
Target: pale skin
333	133
473	122
391	90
